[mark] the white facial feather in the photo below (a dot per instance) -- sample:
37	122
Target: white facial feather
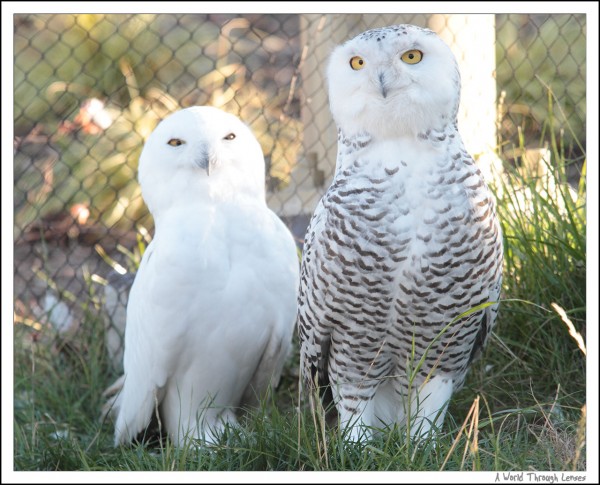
387	96
199	152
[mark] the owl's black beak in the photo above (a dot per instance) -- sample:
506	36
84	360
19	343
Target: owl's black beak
203	162
382	85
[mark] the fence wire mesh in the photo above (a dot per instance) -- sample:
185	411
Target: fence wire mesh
89	89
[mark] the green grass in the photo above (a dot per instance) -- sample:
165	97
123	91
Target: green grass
521	408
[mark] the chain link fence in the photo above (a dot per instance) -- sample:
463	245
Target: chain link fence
89	89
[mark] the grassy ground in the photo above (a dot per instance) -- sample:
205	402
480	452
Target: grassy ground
522	408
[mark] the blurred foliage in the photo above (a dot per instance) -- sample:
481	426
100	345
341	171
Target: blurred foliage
144	67
532	50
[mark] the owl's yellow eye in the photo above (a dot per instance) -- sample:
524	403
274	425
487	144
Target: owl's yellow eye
175	142
357	63
412	57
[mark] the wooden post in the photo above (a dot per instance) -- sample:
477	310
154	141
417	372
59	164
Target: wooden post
472	38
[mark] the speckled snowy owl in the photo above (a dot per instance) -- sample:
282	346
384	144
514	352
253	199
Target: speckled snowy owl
401	271
212	310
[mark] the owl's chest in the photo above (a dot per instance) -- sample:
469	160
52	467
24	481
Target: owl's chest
397	196
402	211
397	228
208	248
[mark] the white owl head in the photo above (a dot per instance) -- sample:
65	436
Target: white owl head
200	152
394	81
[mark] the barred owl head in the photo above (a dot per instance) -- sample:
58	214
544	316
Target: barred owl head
394	81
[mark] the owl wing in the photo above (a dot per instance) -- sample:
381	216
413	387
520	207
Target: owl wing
158	322
146	363
268	372
283	279
488	322
314	330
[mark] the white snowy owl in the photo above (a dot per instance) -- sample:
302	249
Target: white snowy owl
402	262
212	309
